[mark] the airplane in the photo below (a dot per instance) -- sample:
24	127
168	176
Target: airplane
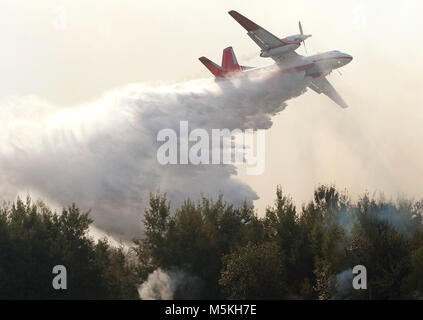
282	51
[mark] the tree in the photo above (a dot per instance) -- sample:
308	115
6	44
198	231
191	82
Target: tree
413	285
376	244
283	227
332	260
254	272
34	240
194	238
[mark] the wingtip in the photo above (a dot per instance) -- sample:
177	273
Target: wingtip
243	21
342	104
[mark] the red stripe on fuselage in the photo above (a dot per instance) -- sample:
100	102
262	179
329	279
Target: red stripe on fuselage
316	75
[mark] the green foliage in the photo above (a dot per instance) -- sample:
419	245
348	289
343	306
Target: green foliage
289	253
229	252
195	238
33	240
255	272
376	244
331	261
413	286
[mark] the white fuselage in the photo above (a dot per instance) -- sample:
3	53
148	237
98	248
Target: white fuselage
324	63
314	66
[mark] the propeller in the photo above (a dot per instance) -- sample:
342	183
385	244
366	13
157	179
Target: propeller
303	37
301	27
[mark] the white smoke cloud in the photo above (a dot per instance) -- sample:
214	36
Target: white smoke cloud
158	286
103	155
169	285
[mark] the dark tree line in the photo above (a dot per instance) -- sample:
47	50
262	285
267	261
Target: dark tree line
290	253
33	240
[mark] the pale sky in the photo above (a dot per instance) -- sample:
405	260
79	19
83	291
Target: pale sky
70	52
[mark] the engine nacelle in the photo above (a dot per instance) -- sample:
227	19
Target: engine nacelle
279	50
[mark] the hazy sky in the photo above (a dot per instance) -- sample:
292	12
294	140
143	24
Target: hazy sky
70	52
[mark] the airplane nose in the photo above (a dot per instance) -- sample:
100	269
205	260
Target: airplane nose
347	59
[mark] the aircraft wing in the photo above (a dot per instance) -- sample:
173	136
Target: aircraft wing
322	85
263	38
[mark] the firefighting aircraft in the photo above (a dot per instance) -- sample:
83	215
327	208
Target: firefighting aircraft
282	51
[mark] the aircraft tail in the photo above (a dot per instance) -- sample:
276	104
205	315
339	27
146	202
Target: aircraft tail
229	64
229	61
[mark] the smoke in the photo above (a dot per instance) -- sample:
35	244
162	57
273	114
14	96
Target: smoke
343	285
404	216
102	155
169	285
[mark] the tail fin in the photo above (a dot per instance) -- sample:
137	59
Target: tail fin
229	64
217	70
229	61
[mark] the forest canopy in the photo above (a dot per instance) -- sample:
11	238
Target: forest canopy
213	250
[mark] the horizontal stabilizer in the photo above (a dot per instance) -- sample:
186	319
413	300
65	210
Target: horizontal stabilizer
217	70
